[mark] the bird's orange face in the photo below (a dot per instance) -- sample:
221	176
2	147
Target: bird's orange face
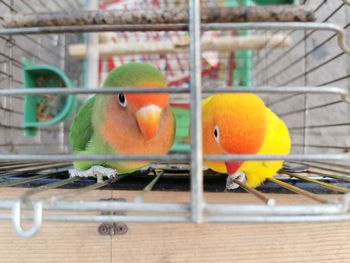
233	124
146	108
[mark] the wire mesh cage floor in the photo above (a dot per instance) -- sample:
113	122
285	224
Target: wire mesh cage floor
306	84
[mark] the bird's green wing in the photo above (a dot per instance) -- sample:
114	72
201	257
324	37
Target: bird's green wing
81	129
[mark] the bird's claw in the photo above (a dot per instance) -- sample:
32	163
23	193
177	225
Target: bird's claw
230	184
95	171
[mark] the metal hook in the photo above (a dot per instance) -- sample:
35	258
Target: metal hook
341	39
347	2
37	220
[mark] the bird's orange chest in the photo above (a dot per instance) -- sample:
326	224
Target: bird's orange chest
121	132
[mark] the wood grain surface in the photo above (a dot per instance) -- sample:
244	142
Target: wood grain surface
73	242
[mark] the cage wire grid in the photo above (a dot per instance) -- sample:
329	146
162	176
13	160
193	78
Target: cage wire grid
312	169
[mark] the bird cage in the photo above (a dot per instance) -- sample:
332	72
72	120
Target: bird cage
304	80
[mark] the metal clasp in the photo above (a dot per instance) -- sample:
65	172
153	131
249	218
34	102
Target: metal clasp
37	220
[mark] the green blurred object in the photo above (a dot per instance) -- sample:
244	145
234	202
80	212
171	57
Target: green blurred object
182	116
45	110
242	74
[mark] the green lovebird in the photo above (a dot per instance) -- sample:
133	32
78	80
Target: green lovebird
133	123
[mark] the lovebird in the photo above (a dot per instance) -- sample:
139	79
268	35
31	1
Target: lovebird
240	123
131	123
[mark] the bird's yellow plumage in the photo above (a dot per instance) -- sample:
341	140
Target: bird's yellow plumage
240	123
277	141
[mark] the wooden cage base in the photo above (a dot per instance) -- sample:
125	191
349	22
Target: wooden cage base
80	242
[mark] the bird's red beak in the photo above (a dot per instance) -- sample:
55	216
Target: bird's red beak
233	166
148	120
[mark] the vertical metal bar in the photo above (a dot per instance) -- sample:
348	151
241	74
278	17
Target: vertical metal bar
10	82
306	111
61	133
92	53
196	114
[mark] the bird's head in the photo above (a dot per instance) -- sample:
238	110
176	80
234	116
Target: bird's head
145	108
233	124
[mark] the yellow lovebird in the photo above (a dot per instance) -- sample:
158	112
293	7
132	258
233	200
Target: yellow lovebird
240	123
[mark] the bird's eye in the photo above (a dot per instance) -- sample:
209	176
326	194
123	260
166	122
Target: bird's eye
217	134
122	100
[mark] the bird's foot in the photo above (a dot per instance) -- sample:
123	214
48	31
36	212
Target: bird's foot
95	171
230	184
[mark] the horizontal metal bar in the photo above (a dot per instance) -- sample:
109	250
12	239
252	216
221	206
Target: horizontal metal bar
117	206
243	209
172	157
185	219
105	90
295	157
93	28
95	157
113	90
277	219
275	210
176	27
106	218
107	206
